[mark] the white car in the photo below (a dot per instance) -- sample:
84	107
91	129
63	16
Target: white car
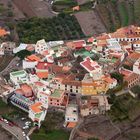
24	135
23	119
5	121
25	127
27	123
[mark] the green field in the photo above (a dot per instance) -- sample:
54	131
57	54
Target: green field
54	135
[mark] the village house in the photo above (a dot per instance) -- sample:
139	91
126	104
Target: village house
136	45
129	34
90	87
92	67
78	44
30	61
19	77
131	59
41	46
136	67
42	70
58	98
37	113
1	50
71	115
42	93
130	77
67	83
97	104
111	81
3	32
8	47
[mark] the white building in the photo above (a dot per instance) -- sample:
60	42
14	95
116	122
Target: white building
37	113
21	47
136	45
55	43
111	82
1	50
113	44
71	114
29	64
136	67
43	95
41	46
19	77
94	69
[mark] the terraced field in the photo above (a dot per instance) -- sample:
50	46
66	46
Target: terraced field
116	14
137	10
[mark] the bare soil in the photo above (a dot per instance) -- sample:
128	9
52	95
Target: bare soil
90	23
32	8
101	127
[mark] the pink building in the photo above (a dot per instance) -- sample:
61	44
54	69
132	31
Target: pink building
58	98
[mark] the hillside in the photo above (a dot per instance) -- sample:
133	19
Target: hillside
112	13
118	13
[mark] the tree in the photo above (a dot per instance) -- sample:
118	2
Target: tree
136	90
22	54
118	77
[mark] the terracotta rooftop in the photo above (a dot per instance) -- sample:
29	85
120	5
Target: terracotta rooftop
42	74
3	32
36	107
89	64
33	57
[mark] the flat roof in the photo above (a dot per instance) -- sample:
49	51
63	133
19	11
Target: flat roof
16	73
57	93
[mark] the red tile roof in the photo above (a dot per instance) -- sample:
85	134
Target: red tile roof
89	64
43	65
3	32
79	44
36	107
33	57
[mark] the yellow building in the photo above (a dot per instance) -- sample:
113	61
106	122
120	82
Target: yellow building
93	87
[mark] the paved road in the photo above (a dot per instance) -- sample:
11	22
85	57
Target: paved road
122	92
75	129
16	131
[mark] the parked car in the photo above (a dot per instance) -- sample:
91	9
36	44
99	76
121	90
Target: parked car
23	119
25	127
24	135
5	121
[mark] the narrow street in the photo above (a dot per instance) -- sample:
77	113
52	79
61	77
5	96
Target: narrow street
16	131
